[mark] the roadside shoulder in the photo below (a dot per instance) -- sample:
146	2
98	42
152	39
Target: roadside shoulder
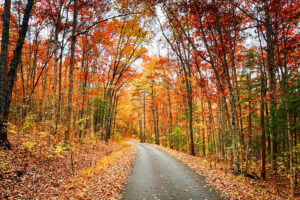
106	180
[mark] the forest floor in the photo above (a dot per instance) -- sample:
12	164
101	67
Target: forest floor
221	177
33	169
157	175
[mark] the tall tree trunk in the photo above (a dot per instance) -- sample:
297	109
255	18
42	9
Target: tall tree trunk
212	127
170	118
270	38
238	114
71	71
157	126
54	99
44	90
290	135
140	126
112	98
59	85
262	125
144	132
248	147
84	88
190	104
4	143
6	85
29	102
203	129
221	129
60	97
291	153
154	113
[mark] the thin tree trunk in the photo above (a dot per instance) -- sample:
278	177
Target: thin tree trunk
212	127
60	86
221	129
71	71
190	104
170	118
140	126
54	99
203	130
144	132
248	147
291	157
262	124
157	126
170	109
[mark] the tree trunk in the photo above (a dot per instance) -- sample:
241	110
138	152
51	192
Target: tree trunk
140	126
262	125
292	168
157	126
7	85
144	132
203	130
54	100
270	38
248	146
4	143
59	85
170	109
221	129
190	104
71	70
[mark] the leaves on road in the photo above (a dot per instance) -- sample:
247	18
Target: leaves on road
231	186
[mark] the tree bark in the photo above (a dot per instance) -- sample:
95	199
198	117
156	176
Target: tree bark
140	126
4	143
262	125
6	85
54	99
144	132
71	71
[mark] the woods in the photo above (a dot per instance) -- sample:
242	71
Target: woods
217	79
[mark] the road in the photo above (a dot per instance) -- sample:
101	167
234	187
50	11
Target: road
157	175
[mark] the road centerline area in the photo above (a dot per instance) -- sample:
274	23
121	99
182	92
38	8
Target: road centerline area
157	175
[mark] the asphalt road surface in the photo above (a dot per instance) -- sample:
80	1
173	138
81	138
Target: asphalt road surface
157	175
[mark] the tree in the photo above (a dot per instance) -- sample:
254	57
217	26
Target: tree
7	76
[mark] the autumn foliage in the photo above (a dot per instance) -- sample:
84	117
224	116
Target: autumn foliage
212	78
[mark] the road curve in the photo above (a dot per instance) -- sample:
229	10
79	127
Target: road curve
157	175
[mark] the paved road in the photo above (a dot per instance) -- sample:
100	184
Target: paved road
157	175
